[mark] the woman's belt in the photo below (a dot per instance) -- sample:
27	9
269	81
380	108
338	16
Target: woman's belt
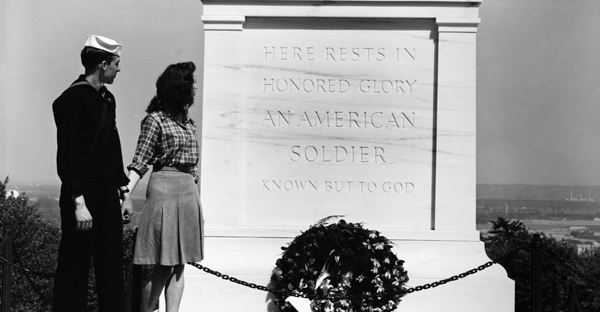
186	169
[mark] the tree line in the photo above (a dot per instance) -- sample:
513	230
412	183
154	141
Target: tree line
35	243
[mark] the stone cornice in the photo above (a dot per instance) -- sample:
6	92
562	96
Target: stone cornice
333	2
223	22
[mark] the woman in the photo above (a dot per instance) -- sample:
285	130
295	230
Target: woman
170	231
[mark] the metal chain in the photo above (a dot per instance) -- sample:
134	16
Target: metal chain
296	293
36	288
26	270
465	274
244	283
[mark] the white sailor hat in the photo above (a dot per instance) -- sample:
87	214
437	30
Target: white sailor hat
104	44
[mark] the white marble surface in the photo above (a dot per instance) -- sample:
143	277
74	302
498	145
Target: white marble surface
357	108
337	119
319	117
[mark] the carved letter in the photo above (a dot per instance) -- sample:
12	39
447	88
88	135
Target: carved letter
304	119
285	84
297	52
372	123
381	56
337	153
412	123
342	81
330	53
331	85
363	90
312	87
398	187
315	152
320	85
412	55
368	53
383	86
265	84
286	120
393	120
342	54
386	187
364	154
339	120
296	85
272	53
325	160
377	149
265	187
295	152
399	84
352	117
311	53
276	185
371	186
318	119
410	85
268	118
355	54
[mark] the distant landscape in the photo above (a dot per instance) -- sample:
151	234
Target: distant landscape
563	211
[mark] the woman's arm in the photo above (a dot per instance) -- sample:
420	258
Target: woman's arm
127	205
144	154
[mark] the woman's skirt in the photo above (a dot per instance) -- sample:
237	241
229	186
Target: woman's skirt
171	229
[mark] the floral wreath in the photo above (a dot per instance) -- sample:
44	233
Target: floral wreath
340	267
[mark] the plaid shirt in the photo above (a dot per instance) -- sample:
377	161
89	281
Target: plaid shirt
164	141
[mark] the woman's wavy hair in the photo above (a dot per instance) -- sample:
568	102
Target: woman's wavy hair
174	90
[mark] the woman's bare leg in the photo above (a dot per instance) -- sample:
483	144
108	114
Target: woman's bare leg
174	289
152	290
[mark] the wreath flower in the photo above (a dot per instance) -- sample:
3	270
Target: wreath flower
341	267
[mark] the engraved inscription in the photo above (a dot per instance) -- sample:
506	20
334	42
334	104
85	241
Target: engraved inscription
332	85
340	119
338	186
340	54
392	86
386	86
337	154
305	85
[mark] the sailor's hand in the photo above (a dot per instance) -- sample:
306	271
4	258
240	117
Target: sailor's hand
127	208
82	214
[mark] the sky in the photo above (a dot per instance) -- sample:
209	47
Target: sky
538	90
538	80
